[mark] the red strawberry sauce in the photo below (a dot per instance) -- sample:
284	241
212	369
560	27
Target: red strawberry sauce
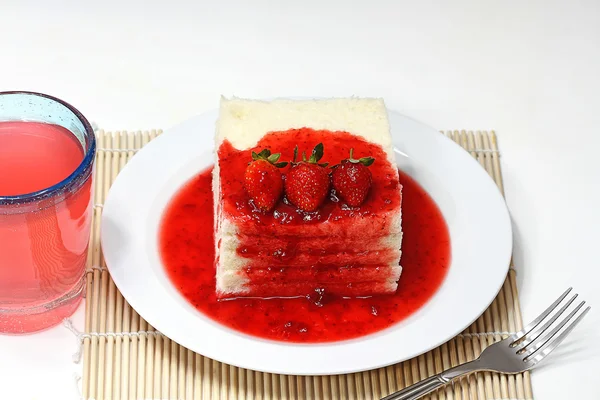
187	250
384	195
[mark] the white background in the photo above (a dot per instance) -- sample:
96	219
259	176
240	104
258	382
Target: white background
530	70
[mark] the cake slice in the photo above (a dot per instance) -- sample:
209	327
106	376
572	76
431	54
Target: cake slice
287	251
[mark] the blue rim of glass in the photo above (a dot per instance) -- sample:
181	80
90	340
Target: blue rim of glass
84	166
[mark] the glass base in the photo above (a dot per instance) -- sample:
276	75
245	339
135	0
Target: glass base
34	319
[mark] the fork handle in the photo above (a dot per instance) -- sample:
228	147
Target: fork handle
419	389
434	382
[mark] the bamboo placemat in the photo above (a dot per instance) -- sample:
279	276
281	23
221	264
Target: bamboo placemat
126	358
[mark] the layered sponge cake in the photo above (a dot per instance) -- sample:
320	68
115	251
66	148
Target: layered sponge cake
307	199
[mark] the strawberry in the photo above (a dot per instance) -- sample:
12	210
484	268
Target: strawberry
352	179
263	180
307	182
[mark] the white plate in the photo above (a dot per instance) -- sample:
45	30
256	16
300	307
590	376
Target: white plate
476	214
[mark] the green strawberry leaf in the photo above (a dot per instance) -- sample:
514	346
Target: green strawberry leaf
265	153
366	161
273	158
317	154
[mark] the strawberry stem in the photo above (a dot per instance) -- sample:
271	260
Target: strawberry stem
366	161
314	158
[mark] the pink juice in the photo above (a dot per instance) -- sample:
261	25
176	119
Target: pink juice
43	245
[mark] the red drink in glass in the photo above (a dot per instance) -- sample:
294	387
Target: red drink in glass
45	214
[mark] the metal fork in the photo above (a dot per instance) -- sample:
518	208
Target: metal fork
517	353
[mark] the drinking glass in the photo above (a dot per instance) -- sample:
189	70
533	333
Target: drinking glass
44	234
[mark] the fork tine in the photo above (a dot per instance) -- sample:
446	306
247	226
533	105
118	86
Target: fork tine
519	335
559	339
548	337
538	331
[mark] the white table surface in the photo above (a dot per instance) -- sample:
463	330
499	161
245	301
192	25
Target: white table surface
529	70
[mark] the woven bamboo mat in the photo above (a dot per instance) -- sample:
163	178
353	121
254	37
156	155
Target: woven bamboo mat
126	358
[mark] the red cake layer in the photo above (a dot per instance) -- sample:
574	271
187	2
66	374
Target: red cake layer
301	259
253	245
294	289
324	273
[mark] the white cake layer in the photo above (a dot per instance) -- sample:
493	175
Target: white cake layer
244	122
